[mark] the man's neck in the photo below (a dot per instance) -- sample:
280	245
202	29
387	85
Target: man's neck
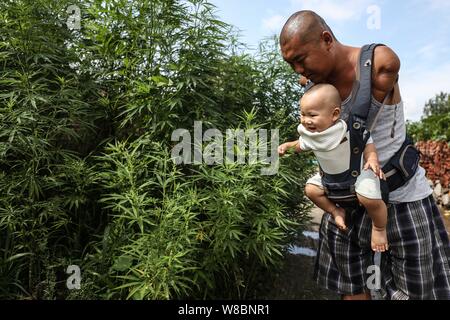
344	73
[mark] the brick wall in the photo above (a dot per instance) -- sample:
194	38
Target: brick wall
435	159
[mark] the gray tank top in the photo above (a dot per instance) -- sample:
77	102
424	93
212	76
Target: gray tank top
388	135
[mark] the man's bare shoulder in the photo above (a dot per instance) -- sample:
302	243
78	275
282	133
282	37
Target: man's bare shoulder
385	60
385	69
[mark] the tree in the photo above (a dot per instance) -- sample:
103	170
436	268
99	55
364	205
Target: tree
440	105
434	125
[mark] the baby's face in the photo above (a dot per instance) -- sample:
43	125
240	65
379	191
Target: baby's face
317	117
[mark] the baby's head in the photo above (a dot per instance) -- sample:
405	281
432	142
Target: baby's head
320	107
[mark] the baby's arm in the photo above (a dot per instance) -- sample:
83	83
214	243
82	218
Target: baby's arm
371	160
289	145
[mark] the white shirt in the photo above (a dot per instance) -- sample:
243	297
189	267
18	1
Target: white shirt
331	147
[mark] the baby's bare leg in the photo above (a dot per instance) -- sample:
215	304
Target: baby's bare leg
377	211
318	196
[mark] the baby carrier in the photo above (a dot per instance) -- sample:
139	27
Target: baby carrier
340	188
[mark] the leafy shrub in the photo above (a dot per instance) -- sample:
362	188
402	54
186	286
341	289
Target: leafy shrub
85	152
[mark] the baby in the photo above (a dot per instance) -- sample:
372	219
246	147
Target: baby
322	131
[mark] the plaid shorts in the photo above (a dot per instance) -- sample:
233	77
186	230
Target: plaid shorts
415	267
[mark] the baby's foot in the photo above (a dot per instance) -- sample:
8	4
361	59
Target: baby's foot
339	218
379	239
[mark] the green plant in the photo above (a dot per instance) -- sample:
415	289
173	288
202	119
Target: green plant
85	153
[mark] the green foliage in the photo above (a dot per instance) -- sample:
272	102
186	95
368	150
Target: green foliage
440	105
46	118
85	153
435	122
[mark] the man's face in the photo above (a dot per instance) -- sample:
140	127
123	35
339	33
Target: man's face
311	60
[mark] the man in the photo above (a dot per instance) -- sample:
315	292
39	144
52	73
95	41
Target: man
417	266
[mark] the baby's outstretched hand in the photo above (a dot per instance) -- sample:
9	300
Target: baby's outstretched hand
282	149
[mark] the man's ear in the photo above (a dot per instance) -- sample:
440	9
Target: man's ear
327	37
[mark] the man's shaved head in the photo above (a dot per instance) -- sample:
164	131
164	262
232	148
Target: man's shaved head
307	25
324	95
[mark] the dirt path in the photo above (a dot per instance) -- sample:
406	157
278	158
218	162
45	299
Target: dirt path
295	282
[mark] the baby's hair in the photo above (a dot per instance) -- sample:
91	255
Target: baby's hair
325	93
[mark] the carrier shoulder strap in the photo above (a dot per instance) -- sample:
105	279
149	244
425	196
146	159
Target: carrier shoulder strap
363	84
